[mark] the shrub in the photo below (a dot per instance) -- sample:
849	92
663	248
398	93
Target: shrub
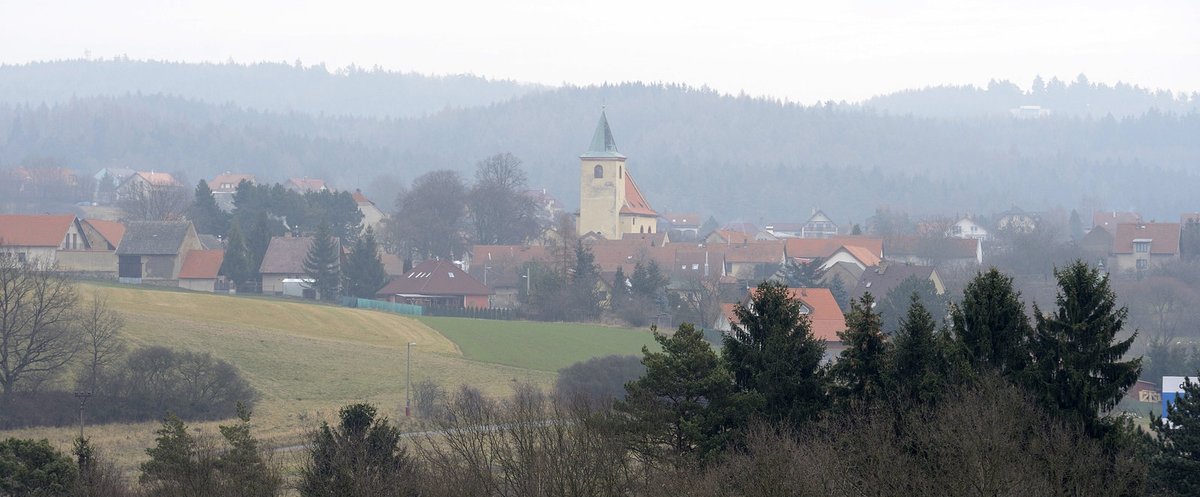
600	379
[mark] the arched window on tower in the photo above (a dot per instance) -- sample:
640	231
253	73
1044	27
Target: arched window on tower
598	172
620	172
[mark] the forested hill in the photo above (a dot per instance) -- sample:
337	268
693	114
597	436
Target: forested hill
1078	98
737	157
264	86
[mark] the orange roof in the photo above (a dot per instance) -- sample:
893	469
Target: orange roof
862	254
158	179
307	184
232	179
825	316
42	230
731	236
762	252
360	198
202	264
635	203
111	230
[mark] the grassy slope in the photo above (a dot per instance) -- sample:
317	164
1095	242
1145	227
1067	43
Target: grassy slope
537	346
307	360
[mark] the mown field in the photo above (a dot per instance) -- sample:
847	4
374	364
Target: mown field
308	359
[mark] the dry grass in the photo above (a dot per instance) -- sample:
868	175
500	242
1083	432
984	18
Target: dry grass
306	360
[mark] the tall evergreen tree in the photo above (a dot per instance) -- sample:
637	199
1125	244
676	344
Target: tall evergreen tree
859	373
923	361
991	325
1077	369
585	297
773	354
174	467
204	213
679	406
323	264
242	467
237	263
362	455
363	273
804	275
1177	465
893	307
1075	225
620	292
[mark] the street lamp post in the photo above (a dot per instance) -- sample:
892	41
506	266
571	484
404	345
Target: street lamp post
408	382
82	396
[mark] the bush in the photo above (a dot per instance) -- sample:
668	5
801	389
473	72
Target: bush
157	380
600	379
29	467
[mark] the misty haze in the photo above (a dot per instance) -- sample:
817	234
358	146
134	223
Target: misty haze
544	249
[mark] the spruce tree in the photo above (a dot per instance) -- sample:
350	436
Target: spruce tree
236	265
585	297
242	467
174	467
773	354
363	273
204	213
322	265
922	365
1077	369
859	372
1176	467
678	408
362	455
258	238
991	325
620	291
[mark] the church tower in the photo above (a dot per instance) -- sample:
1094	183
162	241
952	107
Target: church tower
609	201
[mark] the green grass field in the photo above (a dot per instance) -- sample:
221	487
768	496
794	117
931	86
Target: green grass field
538	346
307	359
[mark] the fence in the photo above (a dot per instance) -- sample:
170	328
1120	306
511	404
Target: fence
472	312
407	309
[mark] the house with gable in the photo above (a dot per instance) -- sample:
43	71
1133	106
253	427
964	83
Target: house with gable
372	215
1110	219
437	283
41	238
967	228
305	185
282	267
819	226
824	315
879	281
1139	246
201	271
143	182
154	251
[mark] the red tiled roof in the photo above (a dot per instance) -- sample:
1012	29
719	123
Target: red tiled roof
1110	219
1164	237
919	246
434	277
646	239
202	264
731	237
112	231
157	178
34	230
762	252
862	254
635	203
228	178
811	248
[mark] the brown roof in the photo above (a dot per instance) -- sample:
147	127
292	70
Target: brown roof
1189	216
360	198
112	231
202	264
285	255
862	254
43	230
1164	237
228	178
393	265
646	239
611	254
811	248
764	252
731	236
635	203
434	277
1110	219
920	246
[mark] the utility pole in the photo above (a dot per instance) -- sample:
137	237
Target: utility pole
82	396
408	382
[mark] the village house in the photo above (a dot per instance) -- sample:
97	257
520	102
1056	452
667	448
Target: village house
1016	220
143	182
754	260
437	283
305	185
225	185
1138	246
686	225
785	230
819	226
282	267
503	269
372	215
41	238
1096	245
201	271
935	251
1110	219
967	228
154	251
879	281
805	250
851	254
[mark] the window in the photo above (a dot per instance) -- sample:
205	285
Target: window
620	172
1142	264
451	274
21	257
598	171
1141	246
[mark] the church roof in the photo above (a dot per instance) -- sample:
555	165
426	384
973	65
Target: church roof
603	145
635	203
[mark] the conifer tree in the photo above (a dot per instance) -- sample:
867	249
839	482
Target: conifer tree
174	467
1177	465
1077	369
361	455
858	375
204	213
258	238
620	291
364	273
242	467
773	354
322	265
922	365
991	325
585	297
679	406
236	265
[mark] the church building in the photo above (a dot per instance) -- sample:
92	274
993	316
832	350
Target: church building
609	201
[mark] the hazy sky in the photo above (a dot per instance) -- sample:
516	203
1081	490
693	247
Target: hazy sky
796	50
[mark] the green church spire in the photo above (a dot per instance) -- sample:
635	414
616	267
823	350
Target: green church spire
603	146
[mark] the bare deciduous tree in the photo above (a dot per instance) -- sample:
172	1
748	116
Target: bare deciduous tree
39	334
100	326
155	203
